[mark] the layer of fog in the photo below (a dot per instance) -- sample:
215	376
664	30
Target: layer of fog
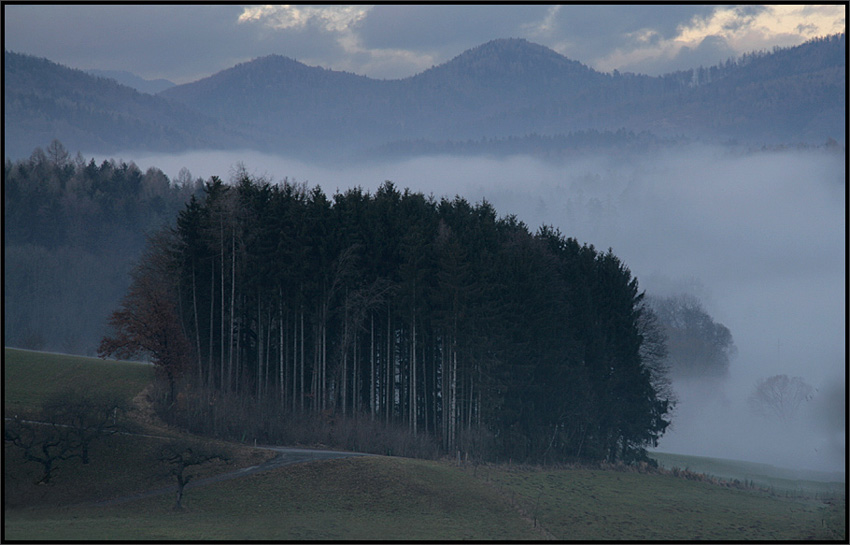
759	238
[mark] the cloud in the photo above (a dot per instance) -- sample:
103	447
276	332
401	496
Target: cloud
186	42
708	38
331	18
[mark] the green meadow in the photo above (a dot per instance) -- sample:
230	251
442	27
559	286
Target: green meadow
367	498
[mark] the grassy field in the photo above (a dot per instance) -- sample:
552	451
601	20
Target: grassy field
368	498
586	504
29	377
783	481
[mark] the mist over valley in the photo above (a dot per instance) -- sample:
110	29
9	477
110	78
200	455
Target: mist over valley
758	238
725	184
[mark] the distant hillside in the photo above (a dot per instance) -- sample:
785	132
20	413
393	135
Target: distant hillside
504	89
150	86
287	104
43	101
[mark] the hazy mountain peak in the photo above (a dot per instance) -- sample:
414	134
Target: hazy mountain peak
513	56
503	88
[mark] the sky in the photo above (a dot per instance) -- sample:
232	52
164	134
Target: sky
184	43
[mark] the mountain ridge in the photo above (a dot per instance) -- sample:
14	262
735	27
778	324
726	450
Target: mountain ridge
149	86
44	100
504	88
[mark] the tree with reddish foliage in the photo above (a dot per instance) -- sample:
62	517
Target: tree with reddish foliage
148	322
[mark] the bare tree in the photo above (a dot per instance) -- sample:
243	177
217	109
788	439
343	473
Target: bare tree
85	416
41	443
181	455
779	396
64	428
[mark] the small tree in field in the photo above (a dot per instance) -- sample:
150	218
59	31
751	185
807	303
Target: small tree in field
181	455
779	396
41	443
64	428
148	321
85	416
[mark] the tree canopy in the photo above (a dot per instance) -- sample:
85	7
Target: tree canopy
433	314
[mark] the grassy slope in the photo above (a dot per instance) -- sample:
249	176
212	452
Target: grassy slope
369	498
29	377
585	504
780	480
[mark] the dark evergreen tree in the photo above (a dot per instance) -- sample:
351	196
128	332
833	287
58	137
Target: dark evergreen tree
438	317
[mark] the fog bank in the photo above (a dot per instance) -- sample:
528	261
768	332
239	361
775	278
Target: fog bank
759	238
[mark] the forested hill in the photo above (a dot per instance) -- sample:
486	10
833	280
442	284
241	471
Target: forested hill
515	88
434	316
504	89
43	101
71	229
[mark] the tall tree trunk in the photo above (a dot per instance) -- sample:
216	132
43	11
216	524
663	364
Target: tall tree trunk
259	349
372	361
232	305
355	382
197	326
295	362
210	362
453	403
324	377
221	330
284	351
268	350
301	397
236	385
413	378
390	390
344	382
284	348
469	413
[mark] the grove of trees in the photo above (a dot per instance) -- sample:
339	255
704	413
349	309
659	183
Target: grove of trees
71	230
697	346
400	310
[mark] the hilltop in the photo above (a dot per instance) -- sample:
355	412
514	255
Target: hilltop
506	88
